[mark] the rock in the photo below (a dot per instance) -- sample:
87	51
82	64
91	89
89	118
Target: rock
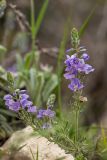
29	143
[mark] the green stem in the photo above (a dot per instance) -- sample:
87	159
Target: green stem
77	124
59	98
77	113
33	25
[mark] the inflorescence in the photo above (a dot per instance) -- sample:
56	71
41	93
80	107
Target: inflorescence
76	65
19	100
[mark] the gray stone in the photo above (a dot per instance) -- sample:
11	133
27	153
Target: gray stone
30	143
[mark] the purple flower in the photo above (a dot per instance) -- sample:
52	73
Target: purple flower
70	49
46	125
12	105
24	96
49	113
71	60
7	97
25	103
22	91
69	75
75	85
88	68
18	100
32	109
45	113
12	69
71	65
24	100
85	56
40	113
76	66
8	102
15	106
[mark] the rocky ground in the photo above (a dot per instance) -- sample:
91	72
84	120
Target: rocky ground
25	143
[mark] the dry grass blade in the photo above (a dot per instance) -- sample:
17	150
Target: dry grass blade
20	17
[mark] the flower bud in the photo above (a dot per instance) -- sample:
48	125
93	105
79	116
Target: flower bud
51	101
75	38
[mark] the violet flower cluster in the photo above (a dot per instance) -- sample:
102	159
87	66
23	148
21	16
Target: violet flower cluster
46	115
19	100
76	67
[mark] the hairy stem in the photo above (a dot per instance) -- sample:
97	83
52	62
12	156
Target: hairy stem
77	113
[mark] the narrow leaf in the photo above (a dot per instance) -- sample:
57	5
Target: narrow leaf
27	61
33	158
40	17
7	113
86	22
62	50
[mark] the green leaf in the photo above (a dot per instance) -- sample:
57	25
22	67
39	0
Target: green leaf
7	113
10	78
86	22
39	88
2	49
7	128
3	5
37	154
20	63
2	70
2	118
3	82
62	50
51	84
33	157
60	60
27	61
33	81
18	149
40	17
